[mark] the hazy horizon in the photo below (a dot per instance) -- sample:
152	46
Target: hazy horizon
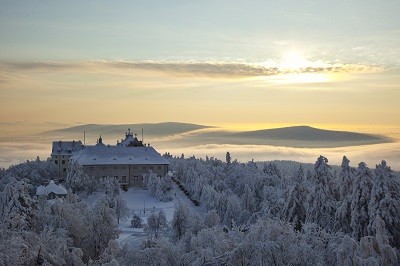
26	141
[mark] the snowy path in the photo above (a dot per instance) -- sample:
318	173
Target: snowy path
181	197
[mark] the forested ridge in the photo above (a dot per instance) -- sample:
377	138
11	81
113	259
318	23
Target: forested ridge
268	213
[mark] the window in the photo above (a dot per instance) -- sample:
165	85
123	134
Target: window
144	167
91	168
159	167
124	179
63	161
65	170
135	178
115	168
56	161
116	177
151	167
104	167
124	168
135	167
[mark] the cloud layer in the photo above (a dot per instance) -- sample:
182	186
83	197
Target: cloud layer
194	68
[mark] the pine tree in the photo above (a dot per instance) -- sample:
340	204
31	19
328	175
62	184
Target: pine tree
233	210
360	199
385	201
347	175
228	158
343	212
322	202
16	206
376	247
247	199
294	209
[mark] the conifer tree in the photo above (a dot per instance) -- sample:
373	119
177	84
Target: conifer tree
360	199
385	201
322	202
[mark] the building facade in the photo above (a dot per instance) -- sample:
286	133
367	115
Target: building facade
127	161
61	152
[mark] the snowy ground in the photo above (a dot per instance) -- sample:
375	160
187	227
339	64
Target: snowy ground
140	201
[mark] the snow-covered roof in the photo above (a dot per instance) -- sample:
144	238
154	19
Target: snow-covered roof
99	155
51	187
100	144
128	139
66	147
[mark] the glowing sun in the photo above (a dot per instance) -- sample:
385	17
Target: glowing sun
293	61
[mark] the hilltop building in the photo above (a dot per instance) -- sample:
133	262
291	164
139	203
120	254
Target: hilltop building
126	161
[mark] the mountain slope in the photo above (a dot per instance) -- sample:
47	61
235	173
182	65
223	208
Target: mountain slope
159	129
307	133
297	136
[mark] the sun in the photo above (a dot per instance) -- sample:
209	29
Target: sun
293	61
293	67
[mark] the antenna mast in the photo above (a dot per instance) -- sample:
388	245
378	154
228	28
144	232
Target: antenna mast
84	138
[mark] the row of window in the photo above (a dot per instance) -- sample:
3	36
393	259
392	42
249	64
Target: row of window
62	162
124	168
123	179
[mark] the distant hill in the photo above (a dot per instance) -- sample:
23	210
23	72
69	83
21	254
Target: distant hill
307	133
158	129
171	134
297	136
305	136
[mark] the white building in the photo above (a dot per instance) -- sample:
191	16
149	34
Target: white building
127	161
51	191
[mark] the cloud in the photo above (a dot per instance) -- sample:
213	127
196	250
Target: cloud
213	69
371	154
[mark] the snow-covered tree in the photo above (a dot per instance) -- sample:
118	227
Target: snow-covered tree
271	170
76	179
347	176
343	212
36	171
385	201
211	219
360	199
294	209
181	221
16	206
247	199
156	224
102	229
136	221
120	208
228	158
347	253
321	201
376	247
233	210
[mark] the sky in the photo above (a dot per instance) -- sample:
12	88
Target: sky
209	62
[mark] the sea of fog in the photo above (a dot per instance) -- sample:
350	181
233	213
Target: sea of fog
17	144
